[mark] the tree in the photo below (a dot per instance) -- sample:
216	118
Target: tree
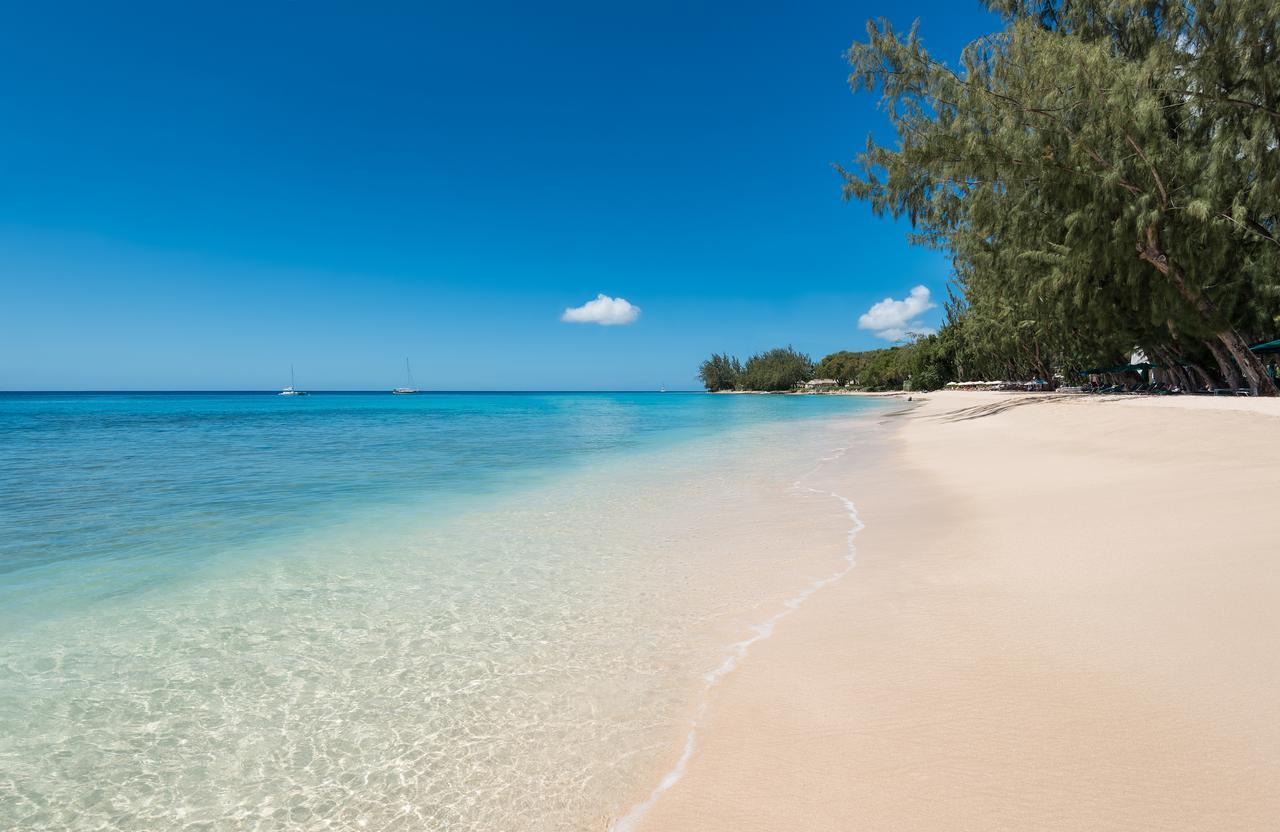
885	369
843	366
778	369
932	362
1103	173
720	372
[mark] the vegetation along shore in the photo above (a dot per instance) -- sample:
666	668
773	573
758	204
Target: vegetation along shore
1104	176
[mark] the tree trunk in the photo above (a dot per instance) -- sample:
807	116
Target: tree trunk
1042	371
1197	376
1259	382
1171	357
1171	368
1206	380
1174	376
1150	251
1225	365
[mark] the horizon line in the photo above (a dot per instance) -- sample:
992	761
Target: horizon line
276	392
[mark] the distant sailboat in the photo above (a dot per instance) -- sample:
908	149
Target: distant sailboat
291	390
404	391
662	388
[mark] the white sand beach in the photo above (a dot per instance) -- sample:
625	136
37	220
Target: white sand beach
1065	615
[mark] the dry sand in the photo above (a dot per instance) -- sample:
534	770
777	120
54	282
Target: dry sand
1065	616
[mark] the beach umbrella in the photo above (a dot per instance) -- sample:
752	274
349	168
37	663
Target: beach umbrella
1268	347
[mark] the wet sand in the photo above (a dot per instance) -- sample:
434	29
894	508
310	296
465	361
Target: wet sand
1065	615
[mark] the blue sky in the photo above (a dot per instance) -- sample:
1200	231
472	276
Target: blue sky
195	196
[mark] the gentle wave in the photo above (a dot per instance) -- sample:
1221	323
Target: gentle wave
738	651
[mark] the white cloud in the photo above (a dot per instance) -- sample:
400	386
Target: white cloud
604	310
894	320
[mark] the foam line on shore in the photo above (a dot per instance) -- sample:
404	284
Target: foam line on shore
738	650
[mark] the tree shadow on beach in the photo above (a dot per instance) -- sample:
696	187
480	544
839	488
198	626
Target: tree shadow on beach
995	408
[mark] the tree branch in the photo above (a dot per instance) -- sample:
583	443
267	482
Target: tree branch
1164	195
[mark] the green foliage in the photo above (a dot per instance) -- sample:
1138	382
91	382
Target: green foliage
777	370
924	365
1103	173
782	368
842	366
720	372
932	363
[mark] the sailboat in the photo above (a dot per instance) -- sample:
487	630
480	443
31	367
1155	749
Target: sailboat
291	390
404	391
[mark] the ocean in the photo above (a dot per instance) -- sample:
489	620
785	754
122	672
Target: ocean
363	611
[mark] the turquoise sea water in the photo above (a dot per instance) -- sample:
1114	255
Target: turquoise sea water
351	610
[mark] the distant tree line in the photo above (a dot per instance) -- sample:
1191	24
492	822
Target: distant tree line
1104	174
924	364
776	370
721	372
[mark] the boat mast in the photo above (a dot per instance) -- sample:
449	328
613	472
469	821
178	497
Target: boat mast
408	374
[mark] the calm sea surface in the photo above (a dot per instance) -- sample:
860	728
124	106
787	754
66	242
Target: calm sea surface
358	611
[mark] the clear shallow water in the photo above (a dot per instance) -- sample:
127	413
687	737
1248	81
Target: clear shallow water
364	611
172	478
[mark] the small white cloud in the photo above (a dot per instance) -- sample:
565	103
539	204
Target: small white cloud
894	320
604	310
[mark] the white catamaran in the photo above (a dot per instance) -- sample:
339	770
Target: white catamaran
404	391
291	390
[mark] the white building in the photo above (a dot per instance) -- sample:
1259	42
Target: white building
821	385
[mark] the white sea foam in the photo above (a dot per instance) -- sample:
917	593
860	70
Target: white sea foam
738	650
